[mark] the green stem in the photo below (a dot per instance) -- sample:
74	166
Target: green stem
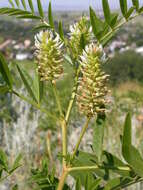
72	96
34	105
64	141
62	180
63	124
81	136
117	27
120	168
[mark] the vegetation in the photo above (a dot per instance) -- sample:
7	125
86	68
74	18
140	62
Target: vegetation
86	57
126	66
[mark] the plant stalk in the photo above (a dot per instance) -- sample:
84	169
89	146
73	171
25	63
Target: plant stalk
81	136
62	179
64	142
72	96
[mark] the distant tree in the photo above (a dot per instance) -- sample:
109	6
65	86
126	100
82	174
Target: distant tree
125	66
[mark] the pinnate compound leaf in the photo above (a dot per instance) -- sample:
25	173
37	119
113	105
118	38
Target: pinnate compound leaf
130	153
4	70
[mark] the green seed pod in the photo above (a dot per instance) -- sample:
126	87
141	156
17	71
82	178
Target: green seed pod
48	54
92	90
80	36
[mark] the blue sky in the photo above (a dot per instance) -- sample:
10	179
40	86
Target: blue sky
73	4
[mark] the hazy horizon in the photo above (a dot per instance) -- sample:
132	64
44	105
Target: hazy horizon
74	4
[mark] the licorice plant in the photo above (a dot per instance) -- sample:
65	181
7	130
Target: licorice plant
83	49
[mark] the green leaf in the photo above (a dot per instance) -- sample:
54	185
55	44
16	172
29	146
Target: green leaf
31	5
78	184
129	13
114	19
113	183
16	163
86	159
11	2
40	9
50	16
4	70
27	81
24	4
41	27
82	42
141	10
4	89
17	3
38	87
106	9
15	187
3	160
68	59
113	161
28	16
136	4
130	153
98	135
124	7
95	184
97	24
61	31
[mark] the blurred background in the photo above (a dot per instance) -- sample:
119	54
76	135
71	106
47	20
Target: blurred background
25	130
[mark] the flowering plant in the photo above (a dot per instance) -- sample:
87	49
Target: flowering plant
83	49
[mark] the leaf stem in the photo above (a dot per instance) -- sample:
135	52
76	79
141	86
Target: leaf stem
119	168
34	105
81	136
117	27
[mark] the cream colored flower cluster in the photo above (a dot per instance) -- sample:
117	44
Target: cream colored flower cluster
49	55
92	85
